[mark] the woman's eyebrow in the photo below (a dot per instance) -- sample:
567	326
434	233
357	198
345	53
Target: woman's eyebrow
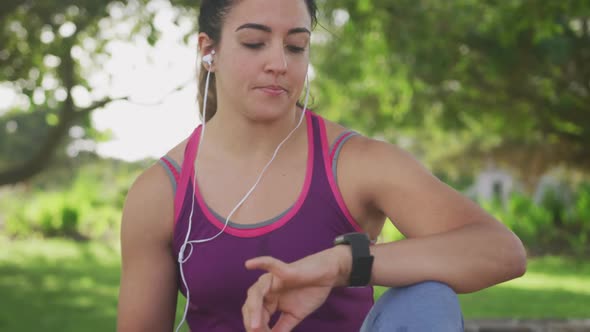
266	28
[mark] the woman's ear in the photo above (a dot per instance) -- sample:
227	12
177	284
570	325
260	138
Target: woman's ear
206	51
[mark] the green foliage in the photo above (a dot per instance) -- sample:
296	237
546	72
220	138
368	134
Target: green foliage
449	79
580	219
558	224
88	208
444	79
390	233
531	222
554	225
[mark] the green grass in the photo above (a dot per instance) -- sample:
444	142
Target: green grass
59	285
553	287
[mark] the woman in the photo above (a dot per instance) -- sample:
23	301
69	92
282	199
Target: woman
250	242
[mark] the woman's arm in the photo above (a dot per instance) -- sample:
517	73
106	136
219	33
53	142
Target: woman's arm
449	238
148	291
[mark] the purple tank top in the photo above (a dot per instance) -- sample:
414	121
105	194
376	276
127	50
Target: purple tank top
215	271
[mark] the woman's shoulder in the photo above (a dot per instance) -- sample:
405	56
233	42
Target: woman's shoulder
150	198
369	160
155	175
334	130
177	152
360	145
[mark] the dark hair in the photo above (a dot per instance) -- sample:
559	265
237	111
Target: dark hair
211	17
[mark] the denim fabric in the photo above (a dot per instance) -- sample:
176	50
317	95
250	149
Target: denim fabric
423	307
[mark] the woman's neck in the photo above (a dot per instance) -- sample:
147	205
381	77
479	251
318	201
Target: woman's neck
239	135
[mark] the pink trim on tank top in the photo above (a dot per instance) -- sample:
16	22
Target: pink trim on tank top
253	232
330	174
171	168
189	154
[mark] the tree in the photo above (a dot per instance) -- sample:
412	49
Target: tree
48	49
501	80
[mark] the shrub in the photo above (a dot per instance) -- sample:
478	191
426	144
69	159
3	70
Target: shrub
554	225
87	208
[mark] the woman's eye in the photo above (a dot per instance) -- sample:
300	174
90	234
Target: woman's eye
253	46
295	49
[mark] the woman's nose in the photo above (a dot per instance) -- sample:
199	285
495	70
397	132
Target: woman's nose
277	59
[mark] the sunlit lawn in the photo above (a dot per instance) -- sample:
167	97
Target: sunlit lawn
553	287
58	285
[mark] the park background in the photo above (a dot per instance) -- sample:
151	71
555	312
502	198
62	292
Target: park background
492	96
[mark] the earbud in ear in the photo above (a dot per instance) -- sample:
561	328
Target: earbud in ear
208	59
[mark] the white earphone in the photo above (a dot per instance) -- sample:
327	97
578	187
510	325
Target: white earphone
208	59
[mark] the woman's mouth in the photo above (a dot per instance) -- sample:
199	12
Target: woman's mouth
273	90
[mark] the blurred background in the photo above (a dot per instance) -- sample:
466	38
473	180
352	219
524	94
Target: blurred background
492	96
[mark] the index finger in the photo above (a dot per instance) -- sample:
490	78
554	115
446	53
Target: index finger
269	264
253	308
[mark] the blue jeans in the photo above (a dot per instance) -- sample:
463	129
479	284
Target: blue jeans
423	307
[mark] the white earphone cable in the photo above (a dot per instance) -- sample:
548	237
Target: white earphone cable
181	257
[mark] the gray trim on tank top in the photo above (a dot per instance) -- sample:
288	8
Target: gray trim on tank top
338	149
249	226
169	171
282	214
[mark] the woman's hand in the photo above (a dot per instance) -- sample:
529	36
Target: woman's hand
295	290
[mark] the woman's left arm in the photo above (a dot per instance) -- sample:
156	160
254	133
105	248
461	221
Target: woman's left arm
449	238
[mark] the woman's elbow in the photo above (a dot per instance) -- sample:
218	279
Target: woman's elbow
515	257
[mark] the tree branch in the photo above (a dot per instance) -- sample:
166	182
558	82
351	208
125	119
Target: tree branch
38	161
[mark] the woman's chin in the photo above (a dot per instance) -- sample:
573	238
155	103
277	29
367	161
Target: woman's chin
268	113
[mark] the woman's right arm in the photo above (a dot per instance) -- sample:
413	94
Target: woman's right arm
148	290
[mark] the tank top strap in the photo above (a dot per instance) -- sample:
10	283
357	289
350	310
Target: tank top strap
323	148
186	171
172	169
321	145
319	161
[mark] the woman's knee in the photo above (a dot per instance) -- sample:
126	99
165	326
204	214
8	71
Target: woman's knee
425	306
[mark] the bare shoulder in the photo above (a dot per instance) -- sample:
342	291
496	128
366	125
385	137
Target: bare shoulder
363	159
149	206
333	130
384	158
350	181
387	179
360	146
177	152
363	164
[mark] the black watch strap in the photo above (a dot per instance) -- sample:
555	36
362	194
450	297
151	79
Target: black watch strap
362	261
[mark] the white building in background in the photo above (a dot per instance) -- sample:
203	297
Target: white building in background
493	183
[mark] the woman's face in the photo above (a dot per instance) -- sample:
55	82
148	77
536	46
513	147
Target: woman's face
262	58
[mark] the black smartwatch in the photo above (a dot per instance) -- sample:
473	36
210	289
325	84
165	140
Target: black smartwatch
362	261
